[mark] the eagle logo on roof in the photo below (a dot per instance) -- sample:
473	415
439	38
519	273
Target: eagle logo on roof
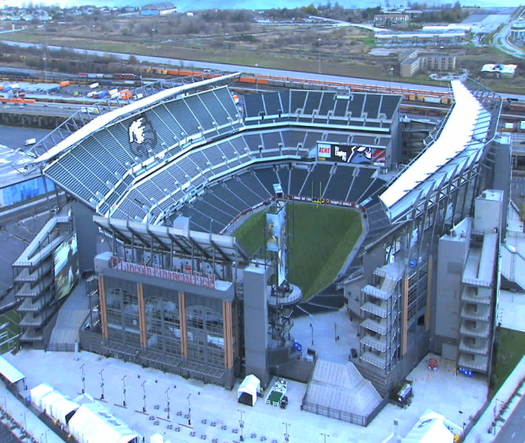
142	136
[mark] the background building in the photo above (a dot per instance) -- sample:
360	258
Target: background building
417	61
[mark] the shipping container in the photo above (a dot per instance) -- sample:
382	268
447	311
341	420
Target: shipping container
126	94
431	99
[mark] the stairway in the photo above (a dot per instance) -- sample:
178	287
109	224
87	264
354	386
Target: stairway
70	317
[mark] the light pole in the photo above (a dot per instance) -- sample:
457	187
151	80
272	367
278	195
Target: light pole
312	331
168	403
325	436
286	435
319	53
101	383
189	409
241	424
83	378
124	391
143	384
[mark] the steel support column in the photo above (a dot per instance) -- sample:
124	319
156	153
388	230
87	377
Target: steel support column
228	334
428	312
183	326
103	307
404	328
142	316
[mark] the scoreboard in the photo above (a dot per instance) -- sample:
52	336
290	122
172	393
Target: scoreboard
355	154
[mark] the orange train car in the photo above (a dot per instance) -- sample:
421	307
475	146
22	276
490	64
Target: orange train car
30	101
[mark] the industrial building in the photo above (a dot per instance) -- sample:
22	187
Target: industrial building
431	38
498	70
416	62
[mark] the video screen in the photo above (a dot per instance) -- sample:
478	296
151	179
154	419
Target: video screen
66	267
350	153
276	235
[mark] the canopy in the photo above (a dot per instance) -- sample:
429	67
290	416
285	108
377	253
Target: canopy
248	389
53	403
9	372
92	423
433	427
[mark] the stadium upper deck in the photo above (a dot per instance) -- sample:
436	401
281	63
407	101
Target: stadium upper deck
460	144
148	160
139	161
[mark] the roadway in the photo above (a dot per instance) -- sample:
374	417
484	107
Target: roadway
501	39
512	431
41	109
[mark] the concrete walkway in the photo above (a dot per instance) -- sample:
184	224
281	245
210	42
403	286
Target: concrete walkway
500	410
70	317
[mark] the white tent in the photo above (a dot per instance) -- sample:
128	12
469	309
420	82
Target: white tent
92	423
53	403
248	390
433	427
59	407
38	393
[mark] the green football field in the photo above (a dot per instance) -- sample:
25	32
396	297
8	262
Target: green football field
319	240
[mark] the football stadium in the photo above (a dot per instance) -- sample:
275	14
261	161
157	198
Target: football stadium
199	223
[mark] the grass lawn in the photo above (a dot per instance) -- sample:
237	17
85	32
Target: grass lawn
251	234
510	347
13	318
319	241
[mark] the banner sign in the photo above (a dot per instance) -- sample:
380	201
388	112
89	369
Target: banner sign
192	278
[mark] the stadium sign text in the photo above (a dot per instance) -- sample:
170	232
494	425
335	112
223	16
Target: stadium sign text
204	280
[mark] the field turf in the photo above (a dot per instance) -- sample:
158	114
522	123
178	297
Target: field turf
319	240
510	347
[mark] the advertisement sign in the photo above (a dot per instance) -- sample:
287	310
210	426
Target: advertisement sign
354	154
66	267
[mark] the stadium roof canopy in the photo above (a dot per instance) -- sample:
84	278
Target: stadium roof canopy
458	145
178	241
134	107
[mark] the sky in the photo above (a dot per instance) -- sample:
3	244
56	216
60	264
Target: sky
252	4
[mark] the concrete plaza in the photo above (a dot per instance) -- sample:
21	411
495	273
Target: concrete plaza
215	412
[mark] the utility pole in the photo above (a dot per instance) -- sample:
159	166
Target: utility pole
319	52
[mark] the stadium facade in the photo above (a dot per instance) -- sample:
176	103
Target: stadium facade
162	182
